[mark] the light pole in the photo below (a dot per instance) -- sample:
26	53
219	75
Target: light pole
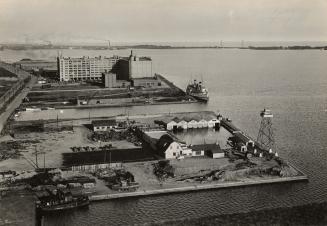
61	112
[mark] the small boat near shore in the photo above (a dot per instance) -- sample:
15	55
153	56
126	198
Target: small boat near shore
56	199
198	91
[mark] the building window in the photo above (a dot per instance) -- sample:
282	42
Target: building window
174	154
198	153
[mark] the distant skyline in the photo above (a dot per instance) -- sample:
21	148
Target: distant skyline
149	21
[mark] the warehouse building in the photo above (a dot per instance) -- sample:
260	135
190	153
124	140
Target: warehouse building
85	68
125	68
110	81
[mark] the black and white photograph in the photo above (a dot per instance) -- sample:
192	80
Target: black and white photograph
163	112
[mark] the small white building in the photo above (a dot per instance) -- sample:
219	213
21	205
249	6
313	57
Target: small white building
212	150
187	152
173	151
169	147
216	154
245	139
171	125
182	124
176	149
213	123
42	81
203	123
192	124
200	149
103	125
196	152
241	147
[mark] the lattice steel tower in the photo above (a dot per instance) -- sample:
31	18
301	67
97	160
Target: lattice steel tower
266	133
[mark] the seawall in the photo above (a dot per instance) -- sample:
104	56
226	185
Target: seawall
197	188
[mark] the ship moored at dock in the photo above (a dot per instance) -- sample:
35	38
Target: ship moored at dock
198	91
55	199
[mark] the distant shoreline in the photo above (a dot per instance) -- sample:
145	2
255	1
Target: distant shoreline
119	47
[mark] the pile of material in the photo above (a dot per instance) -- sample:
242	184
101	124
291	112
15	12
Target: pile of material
114	135
12	148
163	170
118	179
103	174
90	149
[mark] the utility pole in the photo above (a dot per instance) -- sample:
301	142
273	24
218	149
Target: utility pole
44	161
36	162
109	158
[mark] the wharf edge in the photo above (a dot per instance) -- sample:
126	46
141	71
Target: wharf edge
197	188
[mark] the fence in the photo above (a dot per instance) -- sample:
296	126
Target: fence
95	167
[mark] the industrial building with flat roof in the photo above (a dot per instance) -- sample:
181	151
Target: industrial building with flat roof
87	68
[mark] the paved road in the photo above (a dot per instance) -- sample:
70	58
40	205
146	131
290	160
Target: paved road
15	103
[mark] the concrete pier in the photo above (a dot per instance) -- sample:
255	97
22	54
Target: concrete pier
198	188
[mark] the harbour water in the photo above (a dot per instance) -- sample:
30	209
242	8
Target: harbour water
241	82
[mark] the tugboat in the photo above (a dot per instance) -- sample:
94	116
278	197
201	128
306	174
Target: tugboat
55	199
198	91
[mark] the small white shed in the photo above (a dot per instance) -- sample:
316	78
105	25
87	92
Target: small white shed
182	124
203	123
192	124
213	123
171	125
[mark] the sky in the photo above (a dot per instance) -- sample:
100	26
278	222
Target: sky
94	21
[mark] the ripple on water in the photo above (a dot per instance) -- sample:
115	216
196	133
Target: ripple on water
239	93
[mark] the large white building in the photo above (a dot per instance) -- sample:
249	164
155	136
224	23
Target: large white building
85	68
140	67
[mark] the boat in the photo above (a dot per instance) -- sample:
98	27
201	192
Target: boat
198	91
56	199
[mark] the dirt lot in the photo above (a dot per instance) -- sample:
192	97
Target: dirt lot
143	171
186	168
53	144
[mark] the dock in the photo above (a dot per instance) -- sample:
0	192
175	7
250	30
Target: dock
212	186
229	126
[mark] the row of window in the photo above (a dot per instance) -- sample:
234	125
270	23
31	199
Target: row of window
189	154
100	127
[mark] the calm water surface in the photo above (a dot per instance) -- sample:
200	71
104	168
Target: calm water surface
241	83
